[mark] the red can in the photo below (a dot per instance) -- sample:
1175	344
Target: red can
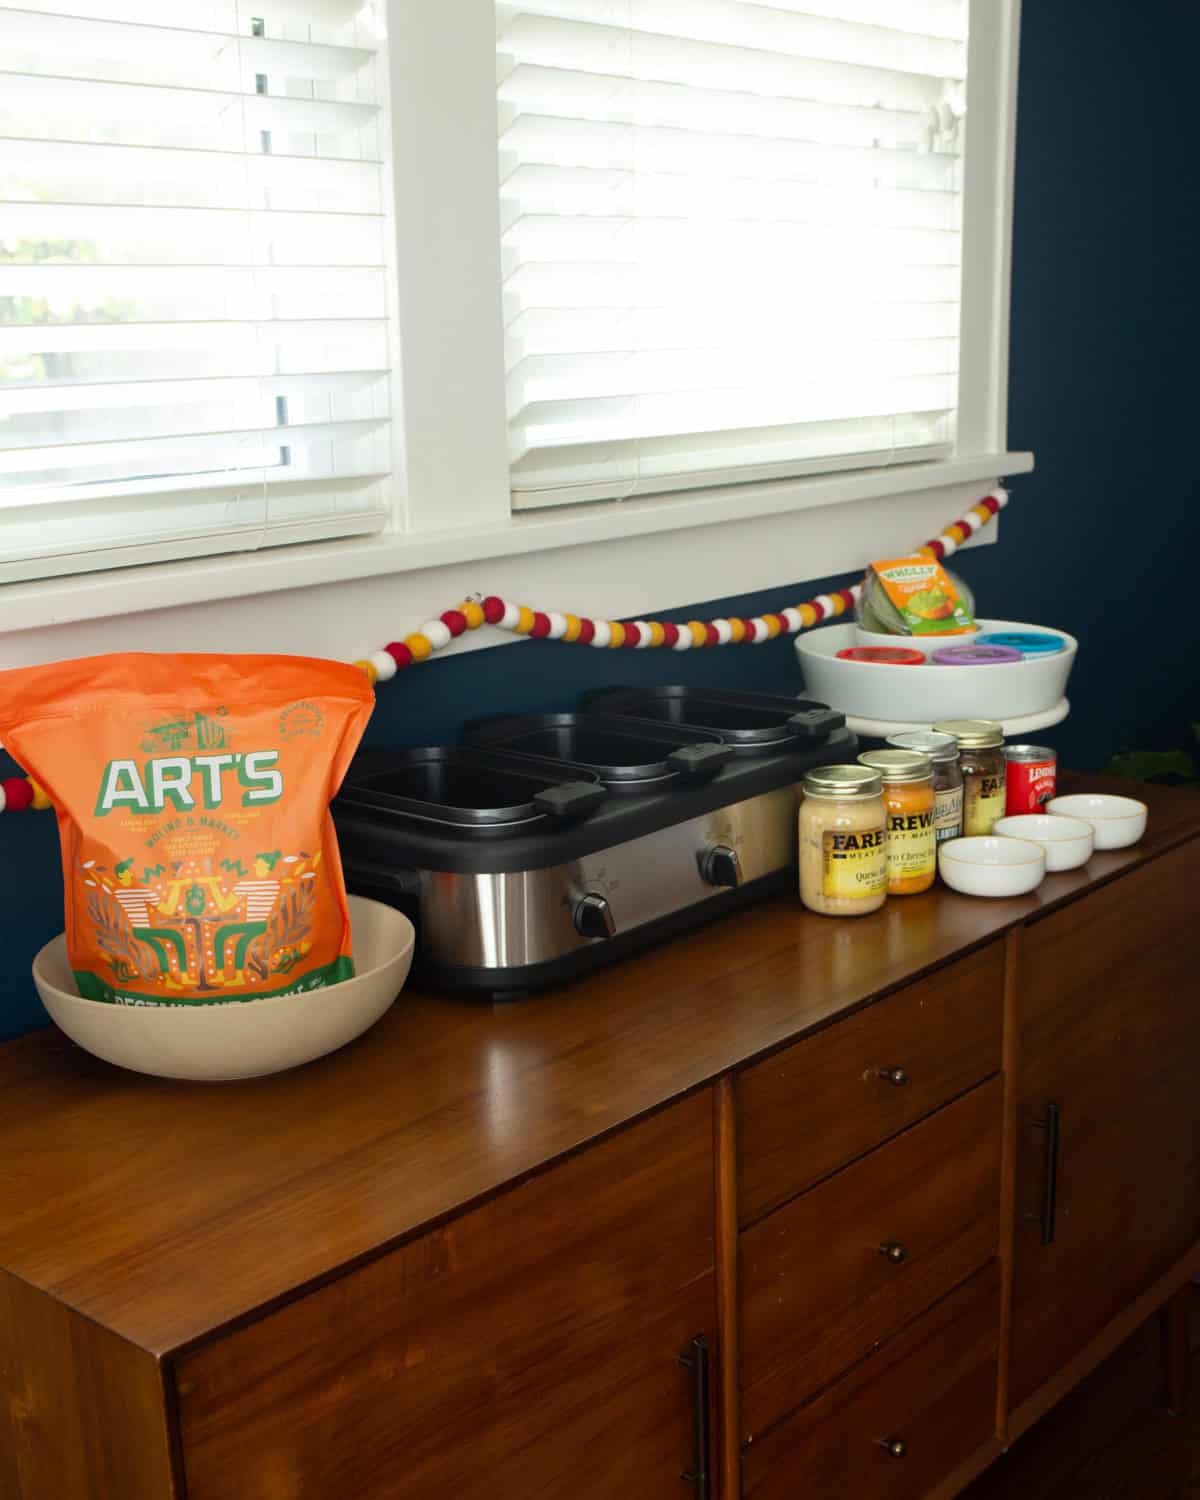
1032	778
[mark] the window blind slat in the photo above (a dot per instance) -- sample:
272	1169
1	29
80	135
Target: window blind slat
731	238
183	194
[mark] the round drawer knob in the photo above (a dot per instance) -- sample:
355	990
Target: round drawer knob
895	1447
894	1251
897	1077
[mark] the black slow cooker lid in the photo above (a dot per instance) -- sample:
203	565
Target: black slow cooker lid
468	788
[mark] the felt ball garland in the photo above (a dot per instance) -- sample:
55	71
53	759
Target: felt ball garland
18	793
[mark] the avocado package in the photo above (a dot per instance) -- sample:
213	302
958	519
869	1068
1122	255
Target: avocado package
914	596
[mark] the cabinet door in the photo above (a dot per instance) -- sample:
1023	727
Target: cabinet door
1110	1043
530	1349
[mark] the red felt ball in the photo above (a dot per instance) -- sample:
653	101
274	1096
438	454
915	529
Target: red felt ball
937	549
712	636
990	503
455	621
541	623
493	609
587	632
670	633
817	609
633	634
751	630
18	794
399	653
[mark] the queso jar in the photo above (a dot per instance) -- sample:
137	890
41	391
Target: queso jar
911	844
981	756
942	750
843	864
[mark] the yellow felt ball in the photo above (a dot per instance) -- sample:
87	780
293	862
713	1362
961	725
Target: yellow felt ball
420	646
772	624
472	613
368	670
737	630
617	638
524	620
957	533
926	551
657	634
574	626
981	514
839	604
40	800
698	633
808	615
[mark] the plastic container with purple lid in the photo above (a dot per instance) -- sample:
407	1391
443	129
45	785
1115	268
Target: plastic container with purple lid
974	655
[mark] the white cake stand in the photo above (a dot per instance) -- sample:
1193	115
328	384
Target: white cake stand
1028	724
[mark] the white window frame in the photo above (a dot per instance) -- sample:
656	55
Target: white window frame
453	528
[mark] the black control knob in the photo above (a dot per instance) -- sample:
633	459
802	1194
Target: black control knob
719	865
594	918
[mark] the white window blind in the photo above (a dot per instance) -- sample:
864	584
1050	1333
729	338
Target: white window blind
193	308
731	238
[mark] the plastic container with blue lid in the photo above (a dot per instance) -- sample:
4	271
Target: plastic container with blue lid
1027	642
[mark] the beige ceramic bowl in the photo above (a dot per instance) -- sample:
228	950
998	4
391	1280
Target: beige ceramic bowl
212	1043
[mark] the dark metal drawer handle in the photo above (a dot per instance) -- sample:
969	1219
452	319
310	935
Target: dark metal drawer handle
894	1251
1046	1217
895	1076
894	1447
696	1359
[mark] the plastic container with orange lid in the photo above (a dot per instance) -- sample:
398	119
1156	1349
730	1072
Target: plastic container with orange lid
908	796
891	656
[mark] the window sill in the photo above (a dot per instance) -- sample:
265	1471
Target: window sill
582	534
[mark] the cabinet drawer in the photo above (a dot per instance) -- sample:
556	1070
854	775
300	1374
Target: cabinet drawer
817	1290
817	1105
531	1347
933	1389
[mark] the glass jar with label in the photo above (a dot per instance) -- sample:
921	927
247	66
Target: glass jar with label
942	750
911	843
843	864
981	757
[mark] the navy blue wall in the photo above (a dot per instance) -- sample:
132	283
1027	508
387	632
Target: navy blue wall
1103	389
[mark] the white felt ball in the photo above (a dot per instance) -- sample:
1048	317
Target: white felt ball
724	632
437	633
3	799
794	622
826	604
385	665
508	620
949	545
683	641
558	625
603	633
1000	496
643	634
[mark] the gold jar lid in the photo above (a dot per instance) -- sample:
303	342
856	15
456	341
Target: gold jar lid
972	734
938	747
898	765
843	781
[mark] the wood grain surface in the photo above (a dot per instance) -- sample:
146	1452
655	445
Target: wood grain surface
933	1388
167	1212
818	1294
816	1106
1110	1006
531	1348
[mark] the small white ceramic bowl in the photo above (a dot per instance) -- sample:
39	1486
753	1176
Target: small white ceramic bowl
211	1043
1116	822
1067	841
990	866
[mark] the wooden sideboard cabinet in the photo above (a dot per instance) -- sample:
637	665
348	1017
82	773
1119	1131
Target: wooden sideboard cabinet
789	1206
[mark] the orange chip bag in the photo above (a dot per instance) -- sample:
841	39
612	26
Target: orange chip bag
200	863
